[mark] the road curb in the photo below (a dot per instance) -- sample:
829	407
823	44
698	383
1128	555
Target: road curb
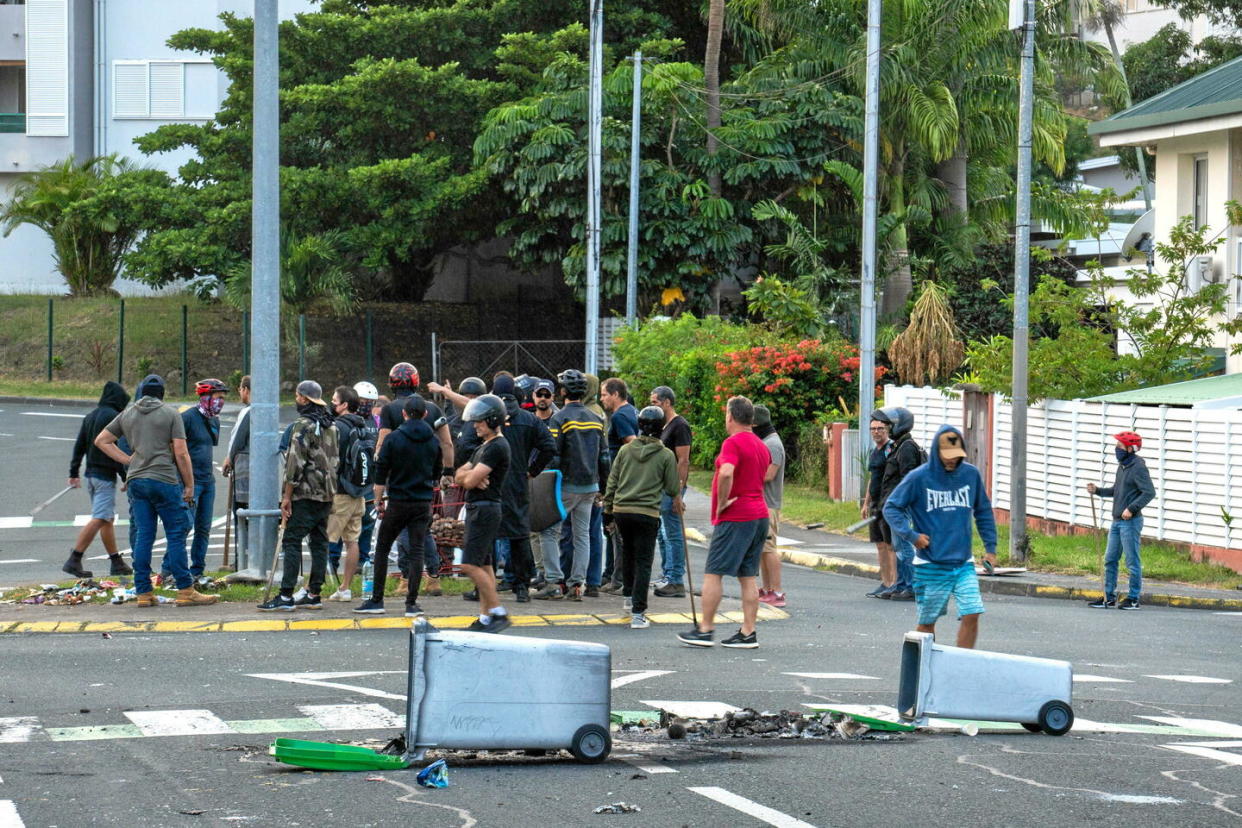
1000	586
453	622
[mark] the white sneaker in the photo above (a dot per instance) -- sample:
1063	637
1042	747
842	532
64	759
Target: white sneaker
299	595
639	622
661	582
341	595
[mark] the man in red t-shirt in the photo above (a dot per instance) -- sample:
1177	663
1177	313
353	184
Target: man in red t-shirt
740	516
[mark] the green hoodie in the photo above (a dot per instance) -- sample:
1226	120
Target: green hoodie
591	400
642	471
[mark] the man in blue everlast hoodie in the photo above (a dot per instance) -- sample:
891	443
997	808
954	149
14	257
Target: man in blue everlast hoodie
932	509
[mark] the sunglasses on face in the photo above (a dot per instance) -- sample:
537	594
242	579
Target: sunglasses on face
543	394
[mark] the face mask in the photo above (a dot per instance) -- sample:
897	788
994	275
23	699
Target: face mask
210	406
1121	453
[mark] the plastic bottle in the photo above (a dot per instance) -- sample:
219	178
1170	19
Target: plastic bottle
368	580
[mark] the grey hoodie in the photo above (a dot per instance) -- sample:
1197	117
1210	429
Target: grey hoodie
149	426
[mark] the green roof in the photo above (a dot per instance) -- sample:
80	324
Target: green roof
1180	393
1216	92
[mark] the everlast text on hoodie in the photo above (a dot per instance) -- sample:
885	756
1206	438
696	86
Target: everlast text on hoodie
99	465
941	504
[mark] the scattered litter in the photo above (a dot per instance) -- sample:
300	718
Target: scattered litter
106	634
190	812
639	776
749	724
82	592
617	808
434	775
376	779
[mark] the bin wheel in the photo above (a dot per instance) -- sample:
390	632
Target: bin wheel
1033	728
591	744
1056	718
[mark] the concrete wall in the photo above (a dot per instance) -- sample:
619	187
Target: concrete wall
13	33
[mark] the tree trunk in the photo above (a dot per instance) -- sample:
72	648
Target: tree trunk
411	279
898	281
711	80
1139	155
952	171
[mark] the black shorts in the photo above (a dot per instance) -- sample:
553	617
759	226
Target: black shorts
735	548
881	532
482	524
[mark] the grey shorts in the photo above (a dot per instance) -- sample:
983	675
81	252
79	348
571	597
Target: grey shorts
103	498
736	548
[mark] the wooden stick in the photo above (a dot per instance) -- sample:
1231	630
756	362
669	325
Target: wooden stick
228	525
1095	536
685	553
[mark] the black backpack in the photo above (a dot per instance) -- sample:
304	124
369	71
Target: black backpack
358	461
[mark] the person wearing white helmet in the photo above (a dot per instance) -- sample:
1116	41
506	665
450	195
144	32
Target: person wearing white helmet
368	432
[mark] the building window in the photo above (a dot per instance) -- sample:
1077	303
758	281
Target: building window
163	89
1200	192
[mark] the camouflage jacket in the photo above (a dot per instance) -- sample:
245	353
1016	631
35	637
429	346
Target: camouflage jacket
310	465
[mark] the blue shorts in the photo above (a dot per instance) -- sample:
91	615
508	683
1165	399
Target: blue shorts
103	498
935	584
735	548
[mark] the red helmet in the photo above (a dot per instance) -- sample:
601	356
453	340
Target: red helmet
403	375
1129	439
209	386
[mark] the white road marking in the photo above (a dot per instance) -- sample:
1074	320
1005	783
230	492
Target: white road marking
787	541
51	414
5	434
1086	678
760	812
637	761
352	716
82	520
1216	743
1225	729
19	728
1193	679
1220	756
636	675
62	439
1215	613
8	815
20	522
177	722
318	680
693	709
20	560
833	676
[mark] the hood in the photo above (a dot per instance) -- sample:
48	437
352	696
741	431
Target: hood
511	404
148	404
935	469
647	447
114	396
592	394
417	430
353	419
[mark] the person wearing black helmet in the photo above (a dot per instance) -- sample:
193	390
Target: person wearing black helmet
642	472
403	380
904	456
483	479
202	435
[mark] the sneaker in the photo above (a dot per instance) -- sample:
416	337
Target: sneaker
591	592
500	623
521	595
1128	604
204	582
552	592
1103	603
74	566
341	595
610	587
191	597
877	592
575	593
308	602
766	596
671	591
282	603
639	622
369	607
741	642
696	638
413	611
659	583
777	599
504	587
119	567
479	626
299	595
899	595
472	595
887	592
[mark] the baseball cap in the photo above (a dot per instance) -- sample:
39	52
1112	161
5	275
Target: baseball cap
312	390
152	385
950	445
503	386
546	385
763	417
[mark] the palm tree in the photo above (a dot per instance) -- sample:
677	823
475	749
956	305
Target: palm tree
711	81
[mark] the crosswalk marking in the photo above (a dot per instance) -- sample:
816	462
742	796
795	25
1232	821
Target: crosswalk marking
833	676
1214	755
9	817
635	676
320	680
177	722
18	728
19	522
1193	679
351	716
760	812
1224	729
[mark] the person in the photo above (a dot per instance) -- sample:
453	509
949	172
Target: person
483	478
406	472
101	482
677	437
1132	489
643	471
237	463
367	398
904	456
582	457
931	509
548	540
202	435
160	482
880	533
310	481
354	477
543	392
622	428
740	517
773	493
403	380
467	390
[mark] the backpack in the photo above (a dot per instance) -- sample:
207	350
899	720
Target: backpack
358	460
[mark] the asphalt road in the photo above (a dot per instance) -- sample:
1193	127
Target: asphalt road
76	709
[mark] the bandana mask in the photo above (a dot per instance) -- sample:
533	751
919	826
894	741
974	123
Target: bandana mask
210	406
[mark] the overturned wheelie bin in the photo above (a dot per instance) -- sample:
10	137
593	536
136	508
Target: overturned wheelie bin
956	683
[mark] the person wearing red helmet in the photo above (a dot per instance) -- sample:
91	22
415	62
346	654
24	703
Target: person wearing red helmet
404	381
202	435
1132	489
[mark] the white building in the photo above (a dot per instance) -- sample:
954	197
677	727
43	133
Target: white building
1144	18
87	77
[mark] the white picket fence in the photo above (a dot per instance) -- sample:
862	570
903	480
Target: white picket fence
1189	453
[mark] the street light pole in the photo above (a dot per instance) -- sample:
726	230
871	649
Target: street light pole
636	121
1021	291
594	129
871	158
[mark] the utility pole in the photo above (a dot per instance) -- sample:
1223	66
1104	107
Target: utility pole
1021	288
595	123
265	291
636	123
871	160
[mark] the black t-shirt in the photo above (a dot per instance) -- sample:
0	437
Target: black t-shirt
875	465
494	454
676	433
391	416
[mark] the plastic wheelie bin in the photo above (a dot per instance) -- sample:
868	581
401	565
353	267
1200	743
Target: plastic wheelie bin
478	691
957	683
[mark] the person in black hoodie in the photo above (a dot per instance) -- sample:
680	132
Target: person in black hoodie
101	477
409	464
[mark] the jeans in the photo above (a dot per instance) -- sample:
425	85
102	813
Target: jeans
672	545
149	499
1124	537
905	563
413	516
200	516
550	552
430	553
579	507
638	537
308	520
364	540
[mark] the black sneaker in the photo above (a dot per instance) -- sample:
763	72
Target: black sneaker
1103	603
671	591
281	603
591	592
521	595
1128	604
119	567
499	623
875	593
696	638
472	595
504	586
74	566
309	602
901	595
369	607
742	642
479	626
413	611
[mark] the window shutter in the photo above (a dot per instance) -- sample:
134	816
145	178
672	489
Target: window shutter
129	90
47	67
167	89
